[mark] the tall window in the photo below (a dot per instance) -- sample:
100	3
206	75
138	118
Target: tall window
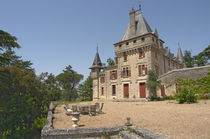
114	90
102	79
141	54
102	91
126	72
125	57
142	70
113	75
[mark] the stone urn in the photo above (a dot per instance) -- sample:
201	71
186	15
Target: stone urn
75	119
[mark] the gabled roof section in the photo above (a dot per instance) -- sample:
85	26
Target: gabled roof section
141	27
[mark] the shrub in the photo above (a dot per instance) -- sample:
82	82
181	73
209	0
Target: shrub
187	91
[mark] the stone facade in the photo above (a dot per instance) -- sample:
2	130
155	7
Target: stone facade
139	50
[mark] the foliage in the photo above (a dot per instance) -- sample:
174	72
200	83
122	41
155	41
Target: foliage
54	91
202	58
23	100
10	59
68	81
23	97
110	62
189	60
7	42
153	83
187	91
190	90
85	89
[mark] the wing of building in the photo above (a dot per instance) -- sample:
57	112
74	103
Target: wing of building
139	50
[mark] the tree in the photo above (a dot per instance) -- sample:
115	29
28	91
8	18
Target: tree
23	97
189	60
202	58
152	83
49	80
10	59
68	80
23	100
110	62
7	42
85	90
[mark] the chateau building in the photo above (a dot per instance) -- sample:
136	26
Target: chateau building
139	50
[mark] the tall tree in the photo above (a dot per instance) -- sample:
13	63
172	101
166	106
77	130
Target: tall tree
202	58
49	80
153	83
85	89
7	42
189	60
23	100
68	80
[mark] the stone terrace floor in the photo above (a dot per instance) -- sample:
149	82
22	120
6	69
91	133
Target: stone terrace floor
166	117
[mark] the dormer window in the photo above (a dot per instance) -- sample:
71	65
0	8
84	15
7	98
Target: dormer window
142	39
120	46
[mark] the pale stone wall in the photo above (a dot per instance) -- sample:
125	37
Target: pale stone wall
168	79
154	59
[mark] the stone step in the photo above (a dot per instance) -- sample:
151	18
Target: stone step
129	135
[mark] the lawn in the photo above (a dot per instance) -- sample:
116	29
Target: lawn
167	117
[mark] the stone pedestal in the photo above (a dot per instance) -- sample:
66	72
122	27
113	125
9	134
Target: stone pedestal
75	119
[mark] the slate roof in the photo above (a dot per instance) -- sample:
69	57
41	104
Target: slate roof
97	61
142	27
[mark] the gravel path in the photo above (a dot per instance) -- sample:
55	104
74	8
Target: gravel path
167	117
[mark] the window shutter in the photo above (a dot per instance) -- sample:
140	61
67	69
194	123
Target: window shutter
115	74
139	54
110	75
129	73
143	54
139	69
146	70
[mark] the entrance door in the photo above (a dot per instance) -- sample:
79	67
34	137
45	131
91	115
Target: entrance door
126	91
162	91
142	90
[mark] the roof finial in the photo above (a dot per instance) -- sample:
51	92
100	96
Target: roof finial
139	5
97	48
178	44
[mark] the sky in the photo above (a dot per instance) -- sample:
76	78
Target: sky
56	33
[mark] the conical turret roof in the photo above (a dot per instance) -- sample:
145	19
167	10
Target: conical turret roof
97	61
180	55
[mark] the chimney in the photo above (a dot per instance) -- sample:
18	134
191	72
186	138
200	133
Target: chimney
132	23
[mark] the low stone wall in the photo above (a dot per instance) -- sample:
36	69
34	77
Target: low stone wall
48	132
186	73
169	79
130	100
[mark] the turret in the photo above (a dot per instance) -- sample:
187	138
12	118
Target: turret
95	70
180	56
96	67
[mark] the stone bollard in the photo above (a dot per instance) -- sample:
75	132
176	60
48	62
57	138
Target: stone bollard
128	123
75	119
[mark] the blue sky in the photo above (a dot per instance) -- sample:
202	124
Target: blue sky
57	33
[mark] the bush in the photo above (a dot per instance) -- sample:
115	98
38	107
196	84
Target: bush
168	97
187	91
